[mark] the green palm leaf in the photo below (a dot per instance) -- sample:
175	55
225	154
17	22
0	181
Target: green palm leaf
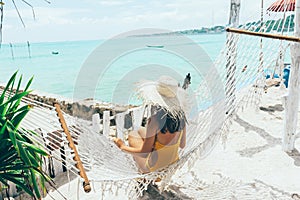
35	149
16	120
15	97
11	80
19	84
21	156
18	182
28	84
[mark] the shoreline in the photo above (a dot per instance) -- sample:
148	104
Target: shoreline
83	109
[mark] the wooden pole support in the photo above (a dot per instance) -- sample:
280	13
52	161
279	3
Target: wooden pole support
106	123
266	35
292	100
86	184
28	48
12	51
231	58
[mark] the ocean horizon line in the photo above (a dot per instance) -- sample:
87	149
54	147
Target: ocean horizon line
6	43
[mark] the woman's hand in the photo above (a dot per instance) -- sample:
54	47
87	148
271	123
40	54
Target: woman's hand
119	142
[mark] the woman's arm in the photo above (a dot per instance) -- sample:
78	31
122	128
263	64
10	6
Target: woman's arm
148	142
183	138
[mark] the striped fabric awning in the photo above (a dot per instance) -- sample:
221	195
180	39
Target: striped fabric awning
282	5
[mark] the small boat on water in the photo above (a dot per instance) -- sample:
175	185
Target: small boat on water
155	46
55	52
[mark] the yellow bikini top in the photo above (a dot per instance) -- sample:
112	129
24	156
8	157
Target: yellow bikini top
166	154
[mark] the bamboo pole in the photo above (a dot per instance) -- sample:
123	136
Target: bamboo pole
261	80
231	55
86	185
266	35
261	55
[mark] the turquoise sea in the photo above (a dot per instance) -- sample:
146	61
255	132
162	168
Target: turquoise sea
57	73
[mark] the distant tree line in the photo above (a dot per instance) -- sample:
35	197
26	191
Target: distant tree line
279	25
203	30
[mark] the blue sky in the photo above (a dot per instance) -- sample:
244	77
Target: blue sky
64	20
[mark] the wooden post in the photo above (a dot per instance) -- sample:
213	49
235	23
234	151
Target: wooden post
28	47
291	101
234	13
1	23
231	56
106	123
137	117
12	51
96	122
261	79
86	185
120	124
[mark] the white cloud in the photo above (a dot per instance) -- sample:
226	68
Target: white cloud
44	16
41	12
90	19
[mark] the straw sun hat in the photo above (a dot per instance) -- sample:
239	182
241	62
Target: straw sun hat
164	92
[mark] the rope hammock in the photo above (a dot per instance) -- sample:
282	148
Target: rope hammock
240	66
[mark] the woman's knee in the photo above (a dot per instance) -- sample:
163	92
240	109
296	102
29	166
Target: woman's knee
142	132
133	134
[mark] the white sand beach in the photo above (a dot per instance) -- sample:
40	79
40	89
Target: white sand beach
252	164
253	153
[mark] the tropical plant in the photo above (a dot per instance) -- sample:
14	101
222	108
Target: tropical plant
21	157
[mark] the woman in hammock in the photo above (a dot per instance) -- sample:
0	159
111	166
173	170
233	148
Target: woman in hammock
156	145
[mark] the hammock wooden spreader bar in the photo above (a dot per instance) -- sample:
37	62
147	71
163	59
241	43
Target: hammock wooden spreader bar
86	184
266	35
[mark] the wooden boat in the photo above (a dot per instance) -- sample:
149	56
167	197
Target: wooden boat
155	46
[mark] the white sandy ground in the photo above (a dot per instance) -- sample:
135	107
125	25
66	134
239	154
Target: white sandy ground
253	158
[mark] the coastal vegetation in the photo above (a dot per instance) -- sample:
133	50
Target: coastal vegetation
21	157
203	30
279	25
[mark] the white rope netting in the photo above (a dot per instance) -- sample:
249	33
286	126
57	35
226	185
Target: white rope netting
241	67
